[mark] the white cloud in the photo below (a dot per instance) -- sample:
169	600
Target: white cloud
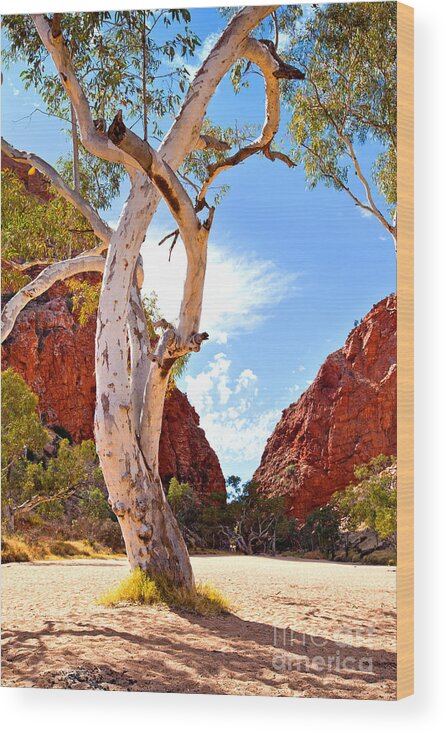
228	414
246	378
239	289
283	41
238	437
16	92
365	213
196	62
200	388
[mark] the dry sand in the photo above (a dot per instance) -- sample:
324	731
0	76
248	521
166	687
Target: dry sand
302	628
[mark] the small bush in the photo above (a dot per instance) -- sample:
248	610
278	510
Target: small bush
15	550
64	549
386	557
139	588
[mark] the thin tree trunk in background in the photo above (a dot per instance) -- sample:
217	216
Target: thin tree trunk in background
9	519
74	132
144	78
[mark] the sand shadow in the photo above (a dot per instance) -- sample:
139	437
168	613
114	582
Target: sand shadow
285	661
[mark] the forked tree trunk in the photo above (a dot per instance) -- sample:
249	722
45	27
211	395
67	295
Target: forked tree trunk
151	534
129	407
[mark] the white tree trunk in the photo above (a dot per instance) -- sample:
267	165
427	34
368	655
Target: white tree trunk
128	422
151	535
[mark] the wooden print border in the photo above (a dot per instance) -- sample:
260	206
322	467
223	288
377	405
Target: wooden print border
405	352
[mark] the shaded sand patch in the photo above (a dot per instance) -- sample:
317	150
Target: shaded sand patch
302	628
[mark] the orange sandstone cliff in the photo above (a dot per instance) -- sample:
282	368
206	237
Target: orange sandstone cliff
346	417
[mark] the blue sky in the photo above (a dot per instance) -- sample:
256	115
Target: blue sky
289	271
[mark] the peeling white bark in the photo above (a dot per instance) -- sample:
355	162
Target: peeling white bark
140	352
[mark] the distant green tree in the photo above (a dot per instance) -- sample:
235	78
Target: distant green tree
181	498
372	501
254	521
36	230
323	524
349	55
29	480
233	483
213	514
22	433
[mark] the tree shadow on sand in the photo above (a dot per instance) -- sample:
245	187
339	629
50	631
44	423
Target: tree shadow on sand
195	654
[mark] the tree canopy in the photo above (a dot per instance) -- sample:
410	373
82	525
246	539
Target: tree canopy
123	61
349	55
372	501
34	229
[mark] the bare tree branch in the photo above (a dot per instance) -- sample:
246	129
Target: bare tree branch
56	271
160	173
209	142
264	55
376	211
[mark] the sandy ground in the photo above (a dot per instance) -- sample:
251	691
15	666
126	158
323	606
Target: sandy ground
302	628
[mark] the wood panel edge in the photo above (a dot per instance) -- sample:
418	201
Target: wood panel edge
405	352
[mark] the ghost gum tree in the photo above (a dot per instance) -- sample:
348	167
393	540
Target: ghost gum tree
131	375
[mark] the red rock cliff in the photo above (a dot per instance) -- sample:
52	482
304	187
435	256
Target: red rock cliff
55	355
346	417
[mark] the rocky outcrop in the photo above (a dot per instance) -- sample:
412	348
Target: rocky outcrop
184	450
345	418
55	355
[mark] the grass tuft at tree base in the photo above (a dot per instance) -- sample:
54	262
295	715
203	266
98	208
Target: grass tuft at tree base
139	588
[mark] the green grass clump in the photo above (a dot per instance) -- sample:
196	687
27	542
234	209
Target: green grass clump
139	588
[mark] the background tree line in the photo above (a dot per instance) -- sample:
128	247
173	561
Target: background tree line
53	487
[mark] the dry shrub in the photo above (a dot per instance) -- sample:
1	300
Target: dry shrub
15	550
139	588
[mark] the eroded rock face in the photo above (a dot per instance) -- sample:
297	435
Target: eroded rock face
56	357
345	418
